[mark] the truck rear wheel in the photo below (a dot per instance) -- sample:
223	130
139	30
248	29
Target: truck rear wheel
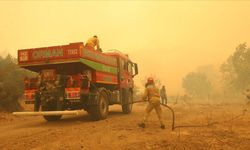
127	102
50	107
100	111
52	118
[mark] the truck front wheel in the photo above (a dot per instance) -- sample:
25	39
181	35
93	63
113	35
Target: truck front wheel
127	102
100	111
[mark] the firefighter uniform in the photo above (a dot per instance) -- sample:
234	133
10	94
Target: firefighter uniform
152	95
163	95
60	90
38	93
247	93
93	42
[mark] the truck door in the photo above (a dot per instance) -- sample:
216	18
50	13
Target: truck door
125	73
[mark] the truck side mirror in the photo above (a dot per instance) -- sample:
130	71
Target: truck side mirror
135	69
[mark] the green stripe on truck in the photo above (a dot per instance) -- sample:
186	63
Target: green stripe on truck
99	67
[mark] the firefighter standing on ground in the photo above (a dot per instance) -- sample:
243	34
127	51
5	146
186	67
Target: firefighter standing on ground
247	93
38	92
163	95
152	95
93	42
60	83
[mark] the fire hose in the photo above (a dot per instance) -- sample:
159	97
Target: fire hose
194	126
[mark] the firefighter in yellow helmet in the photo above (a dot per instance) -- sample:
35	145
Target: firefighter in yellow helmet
152	95
93	42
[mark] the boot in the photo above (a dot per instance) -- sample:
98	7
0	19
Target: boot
162	126
141	125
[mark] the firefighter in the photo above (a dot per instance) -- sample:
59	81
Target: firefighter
93	42
60	84
163	95
247	93
85	84
38	92
152	95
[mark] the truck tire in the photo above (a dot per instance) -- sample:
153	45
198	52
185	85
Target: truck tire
50	107
127	102
100	111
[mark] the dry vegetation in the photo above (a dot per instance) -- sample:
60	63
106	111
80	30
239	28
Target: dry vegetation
120	131
228	119
11	83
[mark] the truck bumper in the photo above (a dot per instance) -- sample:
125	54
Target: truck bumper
29	102
48	113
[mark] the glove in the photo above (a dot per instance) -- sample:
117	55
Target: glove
100	50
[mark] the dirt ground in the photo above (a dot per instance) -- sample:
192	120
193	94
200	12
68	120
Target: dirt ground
120	131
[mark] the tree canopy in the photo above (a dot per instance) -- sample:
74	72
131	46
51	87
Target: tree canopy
236	70
11	83
196	84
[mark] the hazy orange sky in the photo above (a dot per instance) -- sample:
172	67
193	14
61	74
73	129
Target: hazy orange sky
166	38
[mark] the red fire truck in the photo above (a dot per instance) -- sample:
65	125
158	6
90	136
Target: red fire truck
92	80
